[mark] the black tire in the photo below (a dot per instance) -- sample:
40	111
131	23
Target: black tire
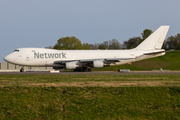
89	70
85	69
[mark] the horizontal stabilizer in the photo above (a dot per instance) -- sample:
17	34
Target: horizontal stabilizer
154	53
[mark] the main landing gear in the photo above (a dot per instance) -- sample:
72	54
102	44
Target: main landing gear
87	69
84	69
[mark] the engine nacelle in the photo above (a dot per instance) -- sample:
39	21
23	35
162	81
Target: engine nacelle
71	65
98	64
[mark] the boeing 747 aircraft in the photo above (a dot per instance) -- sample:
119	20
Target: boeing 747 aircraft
86	59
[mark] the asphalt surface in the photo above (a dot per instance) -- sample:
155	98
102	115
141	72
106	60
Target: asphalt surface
94	72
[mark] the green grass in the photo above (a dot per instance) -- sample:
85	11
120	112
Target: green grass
90	103
109	97
170	61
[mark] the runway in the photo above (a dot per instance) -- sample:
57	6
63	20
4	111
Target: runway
94	72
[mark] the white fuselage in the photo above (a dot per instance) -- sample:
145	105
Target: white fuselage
47	57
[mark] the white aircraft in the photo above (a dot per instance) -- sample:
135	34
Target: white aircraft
85	59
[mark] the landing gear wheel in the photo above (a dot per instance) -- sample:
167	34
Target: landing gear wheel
85	69
22	69
89	70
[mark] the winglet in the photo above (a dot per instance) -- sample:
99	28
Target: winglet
155	40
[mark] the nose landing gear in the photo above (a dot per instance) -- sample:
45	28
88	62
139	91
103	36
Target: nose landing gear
22	69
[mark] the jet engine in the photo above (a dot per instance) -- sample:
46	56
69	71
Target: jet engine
71	65
98	64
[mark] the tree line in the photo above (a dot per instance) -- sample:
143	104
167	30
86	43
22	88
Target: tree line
73	43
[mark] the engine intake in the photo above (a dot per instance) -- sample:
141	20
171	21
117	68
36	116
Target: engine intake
71	65
98	64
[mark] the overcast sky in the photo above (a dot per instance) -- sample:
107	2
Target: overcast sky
40	23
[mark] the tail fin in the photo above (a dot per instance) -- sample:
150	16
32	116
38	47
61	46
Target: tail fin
155	40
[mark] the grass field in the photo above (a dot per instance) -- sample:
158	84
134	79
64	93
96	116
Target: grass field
170	61
110	97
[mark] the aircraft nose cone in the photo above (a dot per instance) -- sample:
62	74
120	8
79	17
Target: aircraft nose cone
7	58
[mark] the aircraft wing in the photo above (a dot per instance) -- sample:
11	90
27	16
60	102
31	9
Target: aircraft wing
110	60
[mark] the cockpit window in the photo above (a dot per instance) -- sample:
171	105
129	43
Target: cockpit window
16	50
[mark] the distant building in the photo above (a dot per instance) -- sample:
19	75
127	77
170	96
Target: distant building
8	66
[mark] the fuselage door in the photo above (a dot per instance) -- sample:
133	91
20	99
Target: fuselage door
27	58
